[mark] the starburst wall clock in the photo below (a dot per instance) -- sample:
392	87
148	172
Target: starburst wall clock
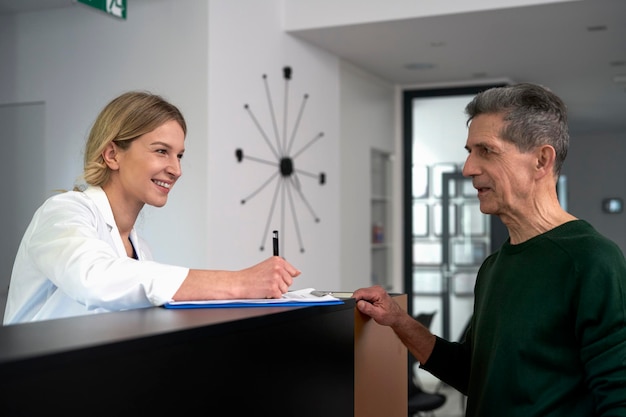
286	145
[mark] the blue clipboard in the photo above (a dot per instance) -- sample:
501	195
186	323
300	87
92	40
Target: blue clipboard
238	304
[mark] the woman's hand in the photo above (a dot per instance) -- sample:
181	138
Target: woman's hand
268	279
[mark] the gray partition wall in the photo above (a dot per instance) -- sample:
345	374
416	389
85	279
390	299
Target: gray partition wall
22	172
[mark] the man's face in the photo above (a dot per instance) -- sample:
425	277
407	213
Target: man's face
503	176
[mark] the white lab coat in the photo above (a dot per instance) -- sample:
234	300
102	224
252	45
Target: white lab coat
72	261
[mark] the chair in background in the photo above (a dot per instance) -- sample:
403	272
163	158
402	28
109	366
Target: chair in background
441	384
425	319
421	402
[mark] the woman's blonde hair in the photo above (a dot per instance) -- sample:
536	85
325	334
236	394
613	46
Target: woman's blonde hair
123	120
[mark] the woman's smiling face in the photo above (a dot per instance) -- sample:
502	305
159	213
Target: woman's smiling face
149	168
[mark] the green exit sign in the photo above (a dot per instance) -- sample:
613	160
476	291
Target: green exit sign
116	8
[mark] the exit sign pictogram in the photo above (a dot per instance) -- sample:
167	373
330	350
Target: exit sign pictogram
115	8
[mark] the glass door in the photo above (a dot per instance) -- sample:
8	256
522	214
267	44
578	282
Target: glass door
465	242
450	240
446	237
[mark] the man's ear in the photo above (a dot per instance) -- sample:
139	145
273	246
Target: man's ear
110	155
546	156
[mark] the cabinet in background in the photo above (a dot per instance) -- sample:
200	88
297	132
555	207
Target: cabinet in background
380	218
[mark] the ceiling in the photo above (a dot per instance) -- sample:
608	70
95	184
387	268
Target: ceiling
576	48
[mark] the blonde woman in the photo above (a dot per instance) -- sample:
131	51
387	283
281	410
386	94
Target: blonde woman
81	253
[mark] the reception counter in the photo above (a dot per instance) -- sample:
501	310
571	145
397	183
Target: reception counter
279	361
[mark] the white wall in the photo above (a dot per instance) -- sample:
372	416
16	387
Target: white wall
247	42
367	122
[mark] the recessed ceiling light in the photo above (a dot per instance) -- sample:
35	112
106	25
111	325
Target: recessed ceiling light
419	66
596	28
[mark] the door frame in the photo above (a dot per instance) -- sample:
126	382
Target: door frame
407	162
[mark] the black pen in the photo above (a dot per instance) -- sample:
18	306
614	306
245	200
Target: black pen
275	241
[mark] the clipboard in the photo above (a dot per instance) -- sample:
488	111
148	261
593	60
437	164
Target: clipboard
300	298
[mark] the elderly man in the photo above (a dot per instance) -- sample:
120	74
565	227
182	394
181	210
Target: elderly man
548	331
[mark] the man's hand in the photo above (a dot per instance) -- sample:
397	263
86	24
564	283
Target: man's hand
378	304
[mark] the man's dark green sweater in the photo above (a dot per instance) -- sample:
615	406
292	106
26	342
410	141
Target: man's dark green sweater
548	333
